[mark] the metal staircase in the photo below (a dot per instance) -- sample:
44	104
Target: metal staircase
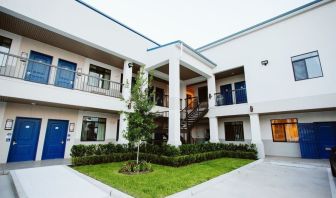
191	115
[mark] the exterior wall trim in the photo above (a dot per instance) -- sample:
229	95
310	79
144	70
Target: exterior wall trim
116	21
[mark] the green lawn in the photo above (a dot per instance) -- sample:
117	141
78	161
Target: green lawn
164	180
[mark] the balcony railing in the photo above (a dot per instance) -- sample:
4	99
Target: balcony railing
36	71
230	97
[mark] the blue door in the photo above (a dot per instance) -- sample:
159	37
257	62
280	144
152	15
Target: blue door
38	67
226	92
326	133
240	90
65	74
24	140
55	139
308	141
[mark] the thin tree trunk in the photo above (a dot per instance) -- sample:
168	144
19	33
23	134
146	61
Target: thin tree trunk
138	153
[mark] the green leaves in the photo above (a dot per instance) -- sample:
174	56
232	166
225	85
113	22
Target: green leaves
141	123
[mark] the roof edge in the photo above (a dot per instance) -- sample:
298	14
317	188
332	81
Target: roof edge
258	25
116	21
187	46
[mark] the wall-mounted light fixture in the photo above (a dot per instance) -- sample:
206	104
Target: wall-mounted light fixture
264	62
210	96
9	124
251	109
72	127
129	105
130	65
24	56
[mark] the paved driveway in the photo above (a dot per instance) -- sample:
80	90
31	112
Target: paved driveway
269	178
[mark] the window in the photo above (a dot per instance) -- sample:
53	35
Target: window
5	44
93	129
307	66
234	131
285	130
99	77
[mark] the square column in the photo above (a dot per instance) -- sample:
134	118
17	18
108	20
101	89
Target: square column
212	91
213	121
256	135
126	94
174	127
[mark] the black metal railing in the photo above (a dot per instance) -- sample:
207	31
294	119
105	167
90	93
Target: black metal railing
230	97
36	71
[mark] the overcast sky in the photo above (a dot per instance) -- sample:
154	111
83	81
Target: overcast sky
196	22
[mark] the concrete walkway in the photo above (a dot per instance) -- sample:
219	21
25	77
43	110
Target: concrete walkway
59	181
6	187
272	177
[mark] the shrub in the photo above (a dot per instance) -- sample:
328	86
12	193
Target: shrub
133	167
175	161
99	149
78	150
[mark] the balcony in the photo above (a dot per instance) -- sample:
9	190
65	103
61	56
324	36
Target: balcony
65	76
230	97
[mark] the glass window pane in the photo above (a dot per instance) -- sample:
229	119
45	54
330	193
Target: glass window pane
288	120
304	56
292	133
300	70
313	67
234	131
93	129
278	131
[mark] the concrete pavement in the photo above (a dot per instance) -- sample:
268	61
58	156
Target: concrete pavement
272	177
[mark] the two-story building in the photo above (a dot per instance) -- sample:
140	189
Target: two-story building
65	68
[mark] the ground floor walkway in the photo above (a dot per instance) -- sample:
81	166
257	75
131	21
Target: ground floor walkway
274	177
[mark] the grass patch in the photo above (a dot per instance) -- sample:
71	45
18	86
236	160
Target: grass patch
164	180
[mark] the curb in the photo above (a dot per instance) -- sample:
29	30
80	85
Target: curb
108	189
332	183
17	185
203	186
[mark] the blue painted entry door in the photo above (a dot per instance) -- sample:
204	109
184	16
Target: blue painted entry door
240	91
65	74
55	139
24	140
38	67
309	146
226	92
326	133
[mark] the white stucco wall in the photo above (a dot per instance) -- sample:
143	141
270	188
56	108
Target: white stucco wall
277	43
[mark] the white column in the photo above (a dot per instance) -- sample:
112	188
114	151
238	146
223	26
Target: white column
174	102
256	135
213	121
212	91
4	146
126	94
183	93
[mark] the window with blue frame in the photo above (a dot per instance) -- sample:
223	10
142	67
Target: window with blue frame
307	66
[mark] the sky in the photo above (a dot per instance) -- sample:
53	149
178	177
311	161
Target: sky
196	22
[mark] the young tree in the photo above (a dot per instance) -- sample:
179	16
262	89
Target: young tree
141	123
